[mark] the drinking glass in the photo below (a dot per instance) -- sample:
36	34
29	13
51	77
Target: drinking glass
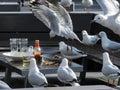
23	45
13	45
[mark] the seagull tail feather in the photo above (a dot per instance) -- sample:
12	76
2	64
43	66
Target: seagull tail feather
118	73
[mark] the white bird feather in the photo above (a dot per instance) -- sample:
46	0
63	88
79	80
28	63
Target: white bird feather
35	77
70	52
89	39
108	69
111	17
108	44
66	3
57	19
66	75
87	4
4	85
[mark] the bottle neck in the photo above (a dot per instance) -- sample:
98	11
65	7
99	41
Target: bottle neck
37	44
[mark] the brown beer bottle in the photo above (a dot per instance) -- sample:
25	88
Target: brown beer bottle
37	51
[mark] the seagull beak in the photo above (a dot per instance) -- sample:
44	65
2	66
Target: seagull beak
98	35
92	21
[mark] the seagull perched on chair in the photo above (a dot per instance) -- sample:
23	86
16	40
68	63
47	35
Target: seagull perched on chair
35	77
111	16
108	69
87	4
70	52
89	39
3	85
57	19
65	74
108	44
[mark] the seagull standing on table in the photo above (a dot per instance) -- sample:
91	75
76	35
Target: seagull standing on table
89	39
108	44
3	85
66	75
108	69
69	52
66	4
35	77
57	19
87	4
111	16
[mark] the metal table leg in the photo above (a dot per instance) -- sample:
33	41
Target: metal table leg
83	74
8	76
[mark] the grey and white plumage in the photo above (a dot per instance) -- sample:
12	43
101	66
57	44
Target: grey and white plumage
87	4
57	19
4	85
70	52
108	69
35	77
65	74
108	44
89	39
66	3
111	17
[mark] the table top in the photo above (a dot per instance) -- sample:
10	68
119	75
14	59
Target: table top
17	66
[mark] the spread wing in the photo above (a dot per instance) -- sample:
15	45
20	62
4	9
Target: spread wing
109	6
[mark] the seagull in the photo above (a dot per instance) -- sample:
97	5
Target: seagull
107	44
70	52
3	85
89	39
57	19
108	69
87	4
35	77
65	74
66	4
110	17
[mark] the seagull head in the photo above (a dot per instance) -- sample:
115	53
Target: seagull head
64	62
102	34
99	19
61	44
84	32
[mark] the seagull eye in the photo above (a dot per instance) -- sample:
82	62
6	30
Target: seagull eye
98	17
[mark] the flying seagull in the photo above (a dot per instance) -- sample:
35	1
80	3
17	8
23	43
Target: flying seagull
110	17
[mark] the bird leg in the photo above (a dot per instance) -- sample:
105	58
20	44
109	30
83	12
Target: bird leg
70	42
70	62
108	82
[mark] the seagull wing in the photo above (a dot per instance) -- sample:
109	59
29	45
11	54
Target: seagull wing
40	15
113	46
109	6
110	69
48	17
37	79
66	16
66	75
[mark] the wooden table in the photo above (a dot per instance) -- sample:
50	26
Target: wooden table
18	68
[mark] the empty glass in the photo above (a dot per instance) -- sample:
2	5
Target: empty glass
23	45
13	45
